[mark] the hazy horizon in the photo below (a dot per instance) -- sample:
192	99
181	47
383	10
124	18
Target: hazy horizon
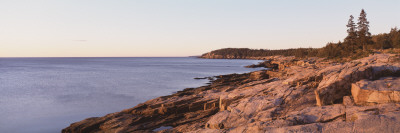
178	28
102	56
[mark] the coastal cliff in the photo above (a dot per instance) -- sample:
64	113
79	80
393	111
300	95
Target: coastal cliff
296	95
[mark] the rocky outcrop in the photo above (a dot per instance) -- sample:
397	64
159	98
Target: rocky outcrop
184	110
339	77
300	95
265	64
384	90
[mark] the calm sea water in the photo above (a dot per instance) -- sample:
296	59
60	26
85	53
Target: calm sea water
44	95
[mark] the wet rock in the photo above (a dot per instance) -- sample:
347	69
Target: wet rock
265	64
259	75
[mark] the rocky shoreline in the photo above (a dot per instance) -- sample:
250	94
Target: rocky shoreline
211	55
296	95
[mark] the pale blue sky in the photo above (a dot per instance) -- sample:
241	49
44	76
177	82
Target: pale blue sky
70	28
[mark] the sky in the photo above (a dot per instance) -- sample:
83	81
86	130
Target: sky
174	28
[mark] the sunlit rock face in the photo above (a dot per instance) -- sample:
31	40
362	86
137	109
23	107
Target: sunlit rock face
337	80
300	95
384	90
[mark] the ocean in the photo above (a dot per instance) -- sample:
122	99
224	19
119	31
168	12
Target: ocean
45	95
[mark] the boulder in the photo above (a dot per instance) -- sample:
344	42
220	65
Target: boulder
348	101
384	90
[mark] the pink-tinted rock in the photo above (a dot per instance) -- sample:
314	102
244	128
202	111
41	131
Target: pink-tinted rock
303	95
384	90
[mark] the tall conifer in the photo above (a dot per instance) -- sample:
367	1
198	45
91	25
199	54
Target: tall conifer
351	33
364	36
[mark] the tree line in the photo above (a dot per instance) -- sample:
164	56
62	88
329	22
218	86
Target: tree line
358	43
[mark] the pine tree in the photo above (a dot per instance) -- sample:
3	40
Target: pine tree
395	37
364	36
351	33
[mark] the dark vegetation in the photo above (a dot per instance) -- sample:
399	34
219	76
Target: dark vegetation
358	43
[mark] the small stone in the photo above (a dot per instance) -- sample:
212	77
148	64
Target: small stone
348	101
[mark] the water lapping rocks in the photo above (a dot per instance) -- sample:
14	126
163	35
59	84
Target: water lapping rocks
297	95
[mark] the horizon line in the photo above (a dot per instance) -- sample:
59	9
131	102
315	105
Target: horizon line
104	57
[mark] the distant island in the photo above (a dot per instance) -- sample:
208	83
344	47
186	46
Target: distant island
349	86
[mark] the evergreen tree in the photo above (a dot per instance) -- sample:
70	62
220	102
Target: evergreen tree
364	36
351	33
395	37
